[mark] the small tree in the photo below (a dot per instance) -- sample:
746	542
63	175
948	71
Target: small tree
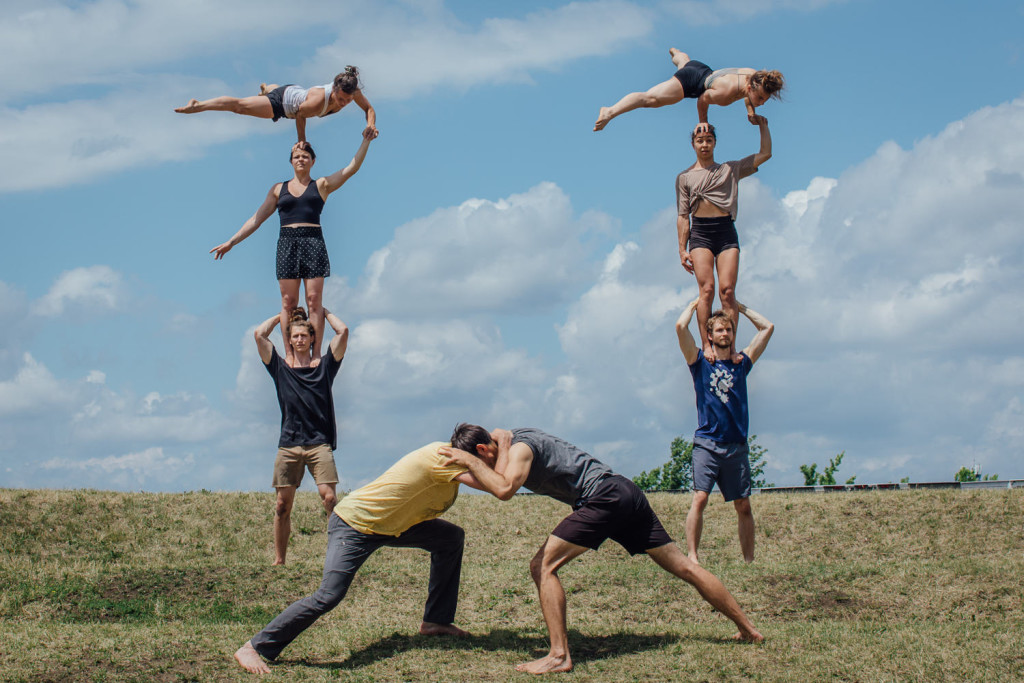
827	477
965	474
757	463
677	473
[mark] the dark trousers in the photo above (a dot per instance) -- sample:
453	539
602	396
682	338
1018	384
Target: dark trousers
347	549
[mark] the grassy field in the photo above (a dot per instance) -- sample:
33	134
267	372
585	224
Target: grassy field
874	586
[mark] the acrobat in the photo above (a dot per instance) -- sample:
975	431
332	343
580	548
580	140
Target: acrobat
301	252
605	505
720	453
697	80
295	102
399	509
707	199
309	431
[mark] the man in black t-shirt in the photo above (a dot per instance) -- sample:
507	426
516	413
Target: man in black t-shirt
309	434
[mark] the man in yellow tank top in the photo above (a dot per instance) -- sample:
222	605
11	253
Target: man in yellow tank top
399	509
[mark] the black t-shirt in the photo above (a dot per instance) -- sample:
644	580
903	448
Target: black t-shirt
307	403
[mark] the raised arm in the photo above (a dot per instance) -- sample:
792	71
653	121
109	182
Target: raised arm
262	335
300	127
764	332
338	178
765	153
265	211
371	116
340	342
687	344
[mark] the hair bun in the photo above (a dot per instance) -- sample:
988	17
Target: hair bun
298	314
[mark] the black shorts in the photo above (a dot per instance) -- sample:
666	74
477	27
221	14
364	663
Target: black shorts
276	97
302	254
717	234
692	77
618	510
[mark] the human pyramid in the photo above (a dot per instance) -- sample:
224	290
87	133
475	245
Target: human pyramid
401	508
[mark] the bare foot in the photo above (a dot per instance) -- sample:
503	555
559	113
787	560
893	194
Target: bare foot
189	108
547	665
693	558
428	628
753	636
278	562
263	89
251	660
603	117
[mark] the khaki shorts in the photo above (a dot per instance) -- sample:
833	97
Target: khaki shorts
292	461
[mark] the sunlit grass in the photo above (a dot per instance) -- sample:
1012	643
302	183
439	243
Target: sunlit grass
873	586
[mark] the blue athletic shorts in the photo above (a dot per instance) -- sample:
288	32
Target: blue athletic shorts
727	464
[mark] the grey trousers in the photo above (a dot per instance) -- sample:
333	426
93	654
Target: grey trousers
347	550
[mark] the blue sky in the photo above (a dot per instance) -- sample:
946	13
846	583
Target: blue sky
497	260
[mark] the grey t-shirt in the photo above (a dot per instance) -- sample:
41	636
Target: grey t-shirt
559	469
717	184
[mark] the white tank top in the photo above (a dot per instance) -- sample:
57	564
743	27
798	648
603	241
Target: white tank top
295	95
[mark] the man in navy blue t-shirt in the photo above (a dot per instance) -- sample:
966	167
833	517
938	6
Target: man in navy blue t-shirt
720	443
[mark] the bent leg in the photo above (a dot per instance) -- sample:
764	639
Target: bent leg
444	541
695	524
283	522
289	300
347	550
670	558
704	270
315	310
745	515
328	496
665	93
679	58
552	556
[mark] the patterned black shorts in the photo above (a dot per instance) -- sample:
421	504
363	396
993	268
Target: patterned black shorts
302	254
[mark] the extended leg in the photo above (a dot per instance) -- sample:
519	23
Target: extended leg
695	524
745	515
728	264
315	310
544	566
289	300
665	93
283	522
679	58
257	105
347	550
670	558
704	271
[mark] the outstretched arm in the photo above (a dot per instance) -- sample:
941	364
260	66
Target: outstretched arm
262	335
340	342
765	153
764	332
300	127
265	211
371	116
338	178
686	342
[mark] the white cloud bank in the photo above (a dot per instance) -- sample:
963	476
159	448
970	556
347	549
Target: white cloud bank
893	288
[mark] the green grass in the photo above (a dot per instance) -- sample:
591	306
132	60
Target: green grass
874	586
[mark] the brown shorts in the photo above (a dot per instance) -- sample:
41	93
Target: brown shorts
292	461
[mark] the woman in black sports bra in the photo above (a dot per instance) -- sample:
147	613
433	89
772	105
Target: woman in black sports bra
301	253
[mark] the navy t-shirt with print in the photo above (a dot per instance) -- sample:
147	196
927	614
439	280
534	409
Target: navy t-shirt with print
721	389
306	400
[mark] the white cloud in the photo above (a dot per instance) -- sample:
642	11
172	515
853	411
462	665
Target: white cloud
522	253
91	288
148	467
714	12
33	388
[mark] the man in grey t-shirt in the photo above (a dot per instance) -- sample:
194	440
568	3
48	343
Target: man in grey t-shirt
605	505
